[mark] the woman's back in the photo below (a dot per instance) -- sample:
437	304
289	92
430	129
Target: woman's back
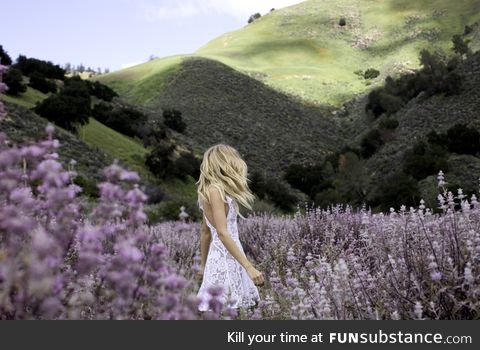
223	270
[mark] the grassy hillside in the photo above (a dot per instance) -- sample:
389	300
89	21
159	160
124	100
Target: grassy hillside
302	49
22	125
118	146
28	99
271	129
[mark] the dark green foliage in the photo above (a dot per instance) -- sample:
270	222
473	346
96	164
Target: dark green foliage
371	73
460	46
159	160
39	82
48	69
463	140
172	118
272	189
89	187
101	112
438	75
14	80
70	108
371	142
5	59
308	179
380	102
125	120
342	22
187	165
101	91
68	112
254	17
389	124
424	160
397	190
468	30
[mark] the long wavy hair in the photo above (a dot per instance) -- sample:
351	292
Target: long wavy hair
224	168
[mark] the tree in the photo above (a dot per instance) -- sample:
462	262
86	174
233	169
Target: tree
5	59
14	80
371	142
101	91
254	17
48	69
68	112
460	46
173	119
371	73
463	140
40	83
397	190
342	22
159	160
70	108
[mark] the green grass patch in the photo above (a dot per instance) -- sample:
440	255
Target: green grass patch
117	145
28	99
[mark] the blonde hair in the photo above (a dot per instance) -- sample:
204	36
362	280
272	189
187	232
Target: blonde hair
224	168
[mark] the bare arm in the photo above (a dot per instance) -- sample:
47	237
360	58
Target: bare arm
205	239
217	207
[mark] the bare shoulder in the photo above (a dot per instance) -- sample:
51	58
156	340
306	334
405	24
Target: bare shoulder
214	193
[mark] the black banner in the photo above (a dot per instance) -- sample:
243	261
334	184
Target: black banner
239	334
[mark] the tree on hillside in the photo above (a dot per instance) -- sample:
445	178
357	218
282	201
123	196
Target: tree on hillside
39	82
460	46
5	59
173	119
14	80
254	17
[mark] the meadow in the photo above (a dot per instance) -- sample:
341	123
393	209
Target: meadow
61	259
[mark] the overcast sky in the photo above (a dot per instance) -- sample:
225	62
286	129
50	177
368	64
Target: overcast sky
119	33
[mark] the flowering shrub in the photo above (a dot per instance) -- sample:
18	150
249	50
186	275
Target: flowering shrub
342	264
60	261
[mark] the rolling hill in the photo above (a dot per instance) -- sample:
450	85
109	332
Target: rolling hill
302	50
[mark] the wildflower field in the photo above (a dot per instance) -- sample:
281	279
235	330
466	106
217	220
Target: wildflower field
62	259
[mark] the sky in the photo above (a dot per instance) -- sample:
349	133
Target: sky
116	34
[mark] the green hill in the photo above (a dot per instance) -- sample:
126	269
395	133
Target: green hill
220	104
302	49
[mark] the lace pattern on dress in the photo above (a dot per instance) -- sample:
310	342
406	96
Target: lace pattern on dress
223	270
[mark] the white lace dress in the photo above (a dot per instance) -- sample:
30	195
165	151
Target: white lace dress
223	270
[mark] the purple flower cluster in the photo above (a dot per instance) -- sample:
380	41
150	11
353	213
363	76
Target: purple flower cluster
3	88
346	264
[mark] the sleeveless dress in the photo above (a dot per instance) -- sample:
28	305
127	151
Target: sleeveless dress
223	270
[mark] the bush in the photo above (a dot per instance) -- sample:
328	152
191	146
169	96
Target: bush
463	140
159	160
371	73
173	119
460	46
424	160
5	59
397	190
273	190
14	80
187	165
380	102
308	179
40	83
68	112
101	111
254	17
48	69
389	124
102	92
342	22
371	142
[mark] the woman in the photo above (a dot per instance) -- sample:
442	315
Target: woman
222	187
